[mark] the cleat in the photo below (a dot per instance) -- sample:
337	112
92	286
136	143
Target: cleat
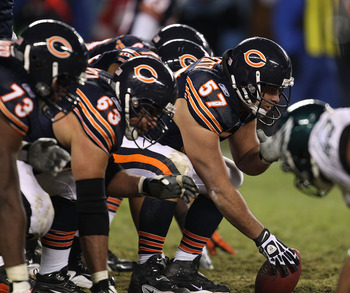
185	275
79	273
116	264
33	256
205	261
149	278
16	287
104	286
57	282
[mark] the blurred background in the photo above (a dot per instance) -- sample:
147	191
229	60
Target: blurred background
315	33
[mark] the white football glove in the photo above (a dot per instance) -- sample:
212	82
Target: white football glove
277	253
44	155
168	186
271	147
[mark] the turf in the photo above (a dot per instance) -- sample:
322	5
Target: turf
318	228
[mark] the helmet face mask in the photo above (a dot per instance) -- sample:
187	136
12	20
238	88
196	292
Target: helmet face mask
147	88
152	115
54	55
254	67
296	158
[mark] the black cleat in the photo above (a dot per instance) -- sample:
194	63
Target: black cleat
149	278
104	286
57	282
185	275
117	264
79	273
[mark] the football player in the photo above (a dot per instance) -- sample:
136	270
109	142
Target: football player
313	142
219	98
160	159
142	93
35	72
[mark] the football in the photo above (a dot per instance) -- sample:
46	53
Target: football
266	282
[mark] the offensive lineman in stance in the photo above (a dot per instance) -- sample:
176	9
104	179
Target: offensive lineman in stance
220	98
35	72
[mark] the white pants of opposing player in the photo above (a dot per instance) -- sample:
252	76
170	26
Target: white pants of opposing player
183	164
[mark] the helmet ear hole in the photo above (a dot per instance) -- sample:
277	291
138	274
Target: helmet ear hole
135	102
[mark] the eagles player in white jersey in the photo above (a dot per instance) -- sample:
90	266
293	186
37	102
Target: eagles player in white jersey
313	142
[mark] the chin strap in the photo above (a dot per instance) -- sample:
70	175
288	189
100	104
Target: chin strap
130	131
245	99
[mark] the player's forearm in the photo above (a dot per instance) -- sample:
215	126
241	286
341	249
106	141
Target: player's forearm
251	164
234	208
123	184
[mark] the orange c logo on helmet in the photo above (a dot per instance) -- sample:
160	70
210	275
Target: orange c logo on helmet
143	77
186	60
259	62
60	54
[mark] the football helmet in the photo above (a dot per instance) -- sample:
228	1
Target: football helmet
119	56
176	31
296	158
255	66
147	88
51	50
180	53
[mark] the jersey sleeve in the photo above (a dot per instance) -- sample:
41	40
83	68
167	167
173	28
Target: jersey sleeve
16	102
100	116
211	102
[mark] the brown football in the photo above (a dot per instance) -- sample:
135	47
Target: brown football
266	282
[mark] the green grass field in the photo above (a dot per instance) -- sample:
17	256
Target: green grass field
318	228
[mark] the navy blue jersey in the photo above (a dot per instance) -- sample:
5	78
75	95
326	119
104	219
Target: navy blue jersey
211	100
120	42
18	102
98	111
100	114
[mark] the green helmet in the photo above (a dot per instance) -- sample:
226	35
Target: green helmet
296	158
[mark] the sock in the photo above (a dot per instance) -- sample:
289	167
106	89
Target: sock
202	220
155	219
99	276
17	273
113	206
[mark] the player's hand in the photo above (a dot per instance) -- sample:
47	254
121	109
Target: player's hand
277	253
169	186
271	147
46	156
